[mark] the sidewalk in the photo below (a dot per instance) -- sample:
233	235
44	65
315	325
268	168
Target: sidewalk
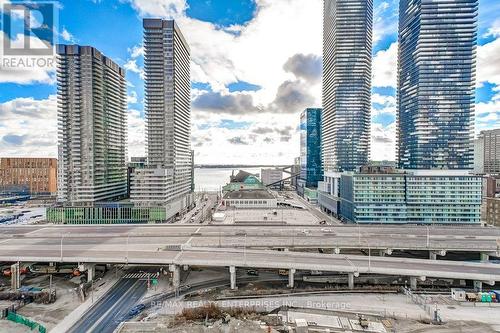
109	281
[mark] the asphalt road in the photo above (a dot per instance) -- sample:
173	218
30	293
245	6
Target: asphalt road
112	309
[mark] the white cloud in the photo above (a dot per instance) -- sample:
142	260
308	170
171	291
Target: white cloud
385	67
488	63
28	127
136	133
383	142
136	51
132	66
160	8
67	36
383	99
250	145
132	98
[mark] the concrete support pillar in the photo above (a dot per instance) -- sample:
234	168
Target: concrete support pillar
350	280
90	272
90	268
485	257
433	254
15	276
232	271
381	253
478	285
176	275
291	278
413	282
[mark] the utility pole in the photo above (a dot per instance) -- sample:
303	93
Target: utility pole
50	288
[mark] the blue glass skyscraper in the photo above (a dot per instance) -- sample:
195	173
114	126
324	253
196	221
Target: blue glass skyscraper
311	170
436	83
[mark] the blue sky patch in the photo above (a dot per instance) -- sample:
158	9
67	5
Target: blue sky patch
243	86
231	124
485	93
384	119
223	13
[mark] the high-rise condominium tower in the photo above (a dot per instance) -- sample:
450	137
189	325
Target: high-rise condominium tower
167	176
436	82
92	122
347	58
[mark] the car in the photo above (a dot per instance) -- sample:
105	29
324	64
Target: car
253	272
136	310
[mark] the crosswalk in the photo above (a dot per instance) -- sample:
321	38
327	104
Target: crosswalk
137	276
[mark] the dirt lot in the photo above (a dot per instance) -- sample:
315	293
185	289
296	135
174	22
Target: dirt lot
47	314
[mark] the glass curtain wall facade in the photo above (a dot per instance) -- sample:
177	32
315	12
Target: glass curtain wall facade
436	83
311	170
92	119
347	59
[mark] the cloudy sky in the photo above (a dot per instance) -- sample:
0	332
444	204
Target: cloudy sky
255	65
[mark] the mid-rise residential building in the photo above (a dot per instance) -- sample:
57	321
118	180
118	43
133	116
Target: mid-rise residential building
92	118
328	193
492	211
271	176
436	83
487	152
417	196
347	60
28	175
166	180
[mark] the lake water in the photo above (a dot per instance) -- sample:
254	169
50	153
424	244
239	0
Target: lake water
211	179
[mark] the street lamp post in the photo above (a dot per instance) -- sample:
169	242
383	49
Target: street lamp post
62	239
126	257
359	234
245	250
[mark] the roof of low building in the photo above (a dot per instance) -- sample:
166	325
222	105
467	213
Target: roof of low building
249	194
240	177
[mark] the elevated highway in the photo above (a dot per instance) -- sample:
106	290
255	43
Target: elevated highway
91	252
379	237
